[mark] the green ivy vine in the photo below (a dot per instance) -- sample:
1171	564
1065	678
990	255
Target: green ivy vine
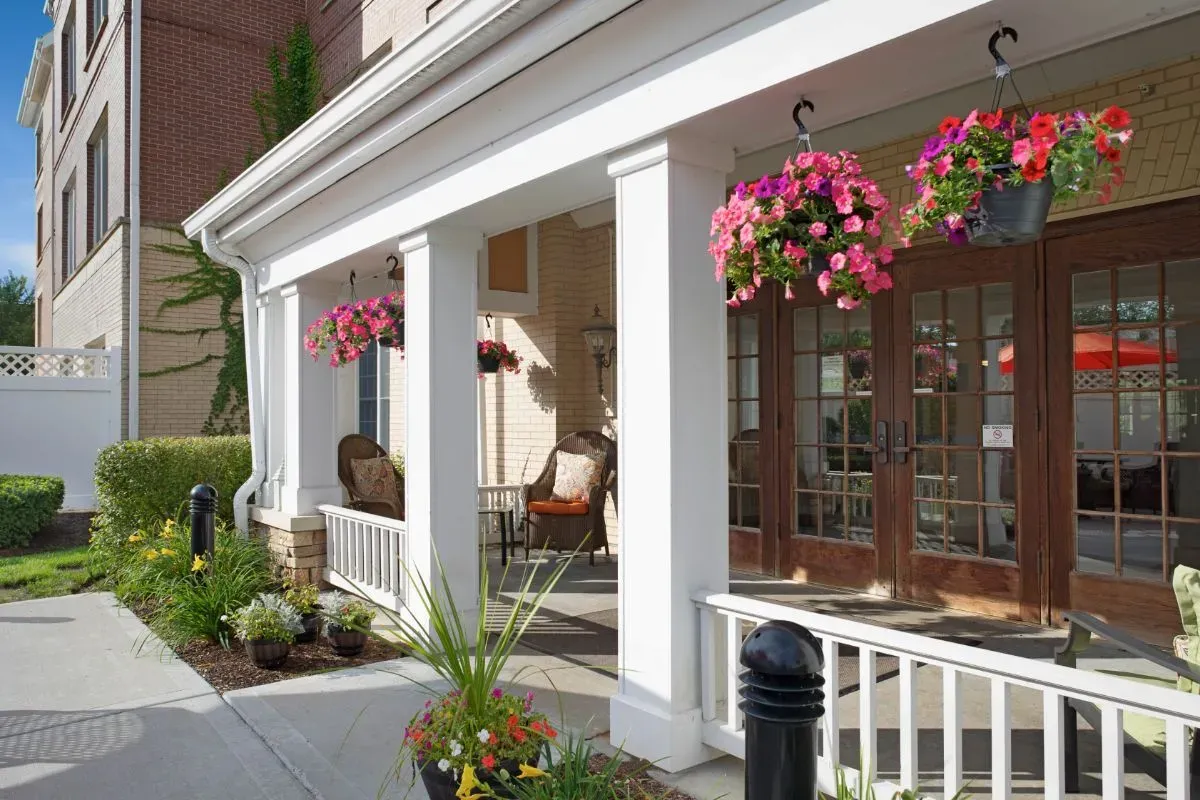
293	97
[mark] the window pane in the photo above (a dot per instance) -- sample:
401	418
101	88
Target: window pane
1000	533
964	365
927	316
1137	295
1092	300
1183	290
1139	421
810	468
962	312
833	322
807	375
963	480
1184	540
963	529
747	335
1094	421
1095	483
1095	549
806	513
929	368
998	309
858	413
999	476
804	323
927	420
833	426
1141	549
929	517
1139	356
808	430
1140	488
748	377
1183	355
962	417
930	475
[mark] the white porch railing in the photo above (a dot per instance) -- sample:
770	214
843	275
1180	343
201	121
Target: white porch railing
725	620
508	498
366	554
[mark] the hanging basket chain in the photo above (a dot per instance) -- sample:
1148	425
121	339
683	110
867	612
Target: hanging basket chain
803	140
1004	71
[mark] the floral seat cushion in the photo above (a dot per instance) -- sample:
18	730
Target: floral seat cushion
374	477
574	478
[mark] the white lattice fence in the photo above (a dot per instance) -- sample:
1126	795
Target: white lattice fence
60	408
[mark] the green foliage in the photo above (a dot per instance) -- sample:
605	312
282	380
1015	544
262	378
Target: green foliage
27	504
209	280
571	776
189	598
305	598
267	619
295	88
865	791
347	613
293	98
141	483
47	574
16	311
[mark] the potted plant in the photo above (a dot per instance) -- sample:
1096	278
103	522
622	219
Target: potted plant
347	622
267	627
305	600
990	180
816	218
494	356
348	329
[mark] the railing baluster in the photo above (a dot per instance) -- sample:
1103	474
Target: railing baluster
708	663
1001	722
1112	748
868	737
908	722
1053	752
376	556
829	723
359	539
733	644
1179	775
952	729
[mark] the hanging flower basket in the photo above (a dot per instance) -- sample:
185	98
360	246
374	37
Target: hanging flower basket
815	219
990	180
494	356
348	330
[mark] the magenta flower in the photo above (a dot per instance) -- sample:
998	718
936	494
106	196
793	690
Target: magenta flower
1022	151
852	224
818	229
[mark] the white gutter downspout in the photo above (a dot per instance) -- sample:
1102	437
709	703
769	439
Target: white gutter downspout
135	216
258	450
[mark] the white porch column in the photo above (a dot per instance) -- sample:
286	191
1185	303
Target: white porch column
271	358
440	402
672	462
308	402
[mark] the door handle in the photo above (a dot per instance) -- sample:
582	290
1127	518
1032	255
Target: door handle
880	448
900	449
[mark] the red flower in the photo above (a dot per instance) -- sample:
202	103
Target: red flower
1101	142
550	731
488	761
1041	156
1115	117
1031	173
990	119
1113	155
519	735
1118	176
492	738
1106	193
513	722
1043	125
947	124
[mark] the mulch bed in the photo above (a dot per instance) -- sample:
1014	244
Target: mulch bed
68	529
232	669
636	770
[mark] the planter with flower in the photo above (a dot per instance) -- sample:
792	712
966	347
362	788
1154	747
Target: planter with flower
347	623
267	627
494	356
346	331
306	600
816	219
990	180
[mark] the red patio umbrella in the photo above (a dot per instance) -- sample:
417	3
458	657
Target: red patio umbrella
1095	351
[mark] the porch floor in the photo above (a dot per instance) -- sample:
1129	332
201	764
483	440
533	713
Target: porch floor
578	624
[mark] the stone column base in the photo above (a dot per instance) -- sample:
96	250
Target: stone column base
298	554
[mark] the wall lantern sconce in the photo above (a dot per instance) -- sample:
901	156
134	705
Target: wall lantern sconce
601	336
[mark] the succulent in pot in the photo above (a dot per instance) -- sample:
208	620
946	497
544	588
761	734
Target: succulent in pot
347	623
306	600
267	627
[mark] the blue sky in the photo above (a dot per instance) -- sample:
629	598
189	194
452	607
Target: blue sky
23	23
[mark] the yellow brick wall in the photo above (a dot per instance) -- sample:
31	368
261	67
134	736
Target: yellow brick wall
175	404
1163	162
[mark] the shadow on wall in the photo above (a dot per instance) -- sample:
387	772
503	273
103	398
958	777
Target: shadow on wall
542	382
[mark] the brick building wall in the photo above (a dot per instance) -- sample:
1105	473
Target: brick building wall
202	62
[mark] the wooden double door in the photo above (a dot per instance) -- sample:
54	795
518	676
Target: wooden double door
982	437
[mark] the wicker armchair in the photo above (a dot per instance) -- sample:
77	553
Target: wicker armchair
356	446
580	528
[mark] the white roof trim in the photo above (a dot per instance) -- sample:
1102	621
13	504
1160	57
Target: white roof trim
37	80
464	32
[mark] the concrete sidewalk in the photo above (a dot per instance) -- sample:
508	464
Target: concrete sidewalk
90	708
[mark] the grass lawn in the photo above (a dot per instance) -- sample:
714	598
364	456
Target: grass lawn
44	574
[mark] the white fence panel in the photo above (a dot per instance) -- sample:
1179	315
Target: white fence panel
59	408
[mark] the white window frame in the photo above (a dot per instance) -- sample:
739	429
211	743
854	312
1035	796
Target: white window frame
68	229
68	61
96	21
98	148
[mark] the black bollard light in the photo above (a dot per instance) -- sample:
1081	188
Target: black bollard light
204	521
782	700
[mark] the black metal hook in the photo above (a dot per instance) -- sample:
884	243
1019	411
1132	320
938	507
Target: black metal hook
351	280
1004	33
487	319
395	262
803	104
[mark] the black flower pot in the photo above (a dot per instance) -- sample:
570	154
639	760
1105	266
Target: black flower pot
443	786
265	654
312	625
393	341
345	642
489	365
1012	216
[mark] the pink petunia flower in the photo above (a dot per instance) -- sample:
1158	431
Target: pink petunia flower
1022	152
837	261
818	229
852	224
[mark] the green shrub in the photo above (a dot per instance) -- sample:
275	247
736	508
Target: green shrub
267	619
141	483
190	598
27	504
